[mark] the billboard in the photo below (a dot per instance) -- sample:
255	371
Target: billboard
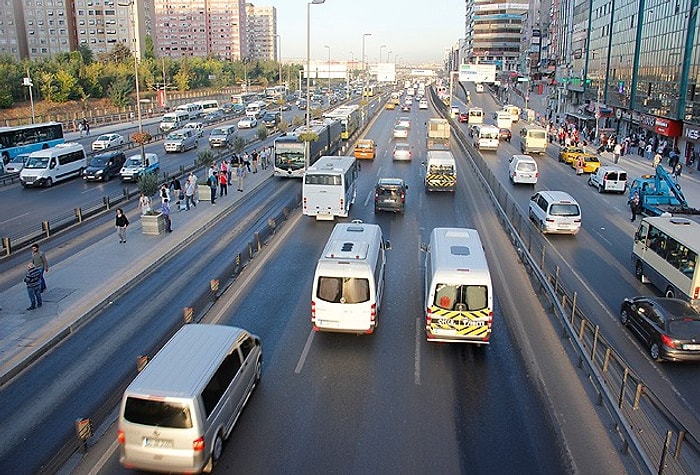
477	72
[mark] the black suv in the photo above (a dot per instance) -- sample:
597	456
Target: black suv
390	195
104	166
271	119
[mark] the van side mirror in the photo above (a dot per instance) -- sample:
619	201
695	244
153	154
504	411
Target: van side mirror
424	247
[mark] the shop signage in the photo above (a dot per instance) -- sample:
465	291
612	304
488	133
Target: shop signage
691	132
661	125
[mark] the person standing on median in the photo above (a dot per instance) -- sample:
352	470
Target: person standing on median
189	194
213	182
40	262
239	176
33	281
165	209
223	182
121	223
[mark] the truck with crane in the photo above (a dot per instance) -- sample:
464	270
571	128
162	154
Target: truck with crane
660	195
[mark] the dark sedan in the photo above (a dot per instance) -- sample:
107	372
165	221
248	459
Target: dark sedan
670	328
504	134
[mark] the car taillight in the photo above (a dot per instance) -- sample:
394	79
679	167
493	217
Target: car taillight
669	342
198	444
121	437
537	175
373	313
313	310
696	292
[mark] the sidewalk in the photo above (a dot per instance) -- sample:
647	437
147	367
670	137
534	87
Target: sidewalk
93	277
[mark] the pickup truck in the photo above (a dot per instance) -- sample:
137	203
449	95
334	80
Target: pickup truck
660	194
138	165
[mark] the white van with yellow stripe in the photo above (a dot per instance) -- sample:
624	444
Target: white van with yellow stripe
440	171
458	290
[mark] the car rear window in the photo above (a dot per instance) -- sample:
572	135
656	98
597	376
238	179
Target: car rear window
343	289
564	209
157	413
461	297
527	167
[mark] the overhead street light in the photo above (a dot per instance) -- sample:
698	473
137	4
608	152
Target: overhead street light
132	4
380	53
308	70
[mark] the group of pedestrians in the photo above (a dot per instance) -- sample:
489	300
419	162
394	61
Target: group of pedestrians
34	277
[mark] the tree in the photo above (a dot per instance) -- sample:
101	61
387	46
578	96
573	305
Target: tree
182	80
238	145
47	85
67	87
149	52
120	91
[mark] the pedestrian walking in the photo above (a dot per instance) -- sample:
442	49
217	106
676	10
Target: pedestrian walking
121	223
189	194
213	185
165	209
33	281
617	151
193	179
164	193
81	128
579	165
177	190
246	161
144	204
677	172
635	205
223	183
254	156
239	177
86	126
40	262
657	160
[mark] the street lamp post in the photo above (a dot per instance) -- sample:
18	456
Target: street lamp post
28	82
388	55
380	53
132	4
329	67
308	70
279	55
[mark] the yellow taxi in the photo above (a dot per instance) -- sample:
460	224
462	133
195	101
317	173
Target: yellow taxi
591	163
365	148
390	105
567	154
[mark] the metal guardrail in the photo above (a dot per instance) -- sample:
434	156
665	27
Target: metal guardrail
656	438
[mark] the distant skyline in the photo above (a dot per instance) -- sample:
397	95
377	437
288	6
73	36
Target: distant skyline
416	31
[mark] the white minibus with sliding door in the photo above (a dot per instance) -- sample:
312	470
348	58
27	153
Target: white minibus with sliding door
50	165
330	187
458	289
349	280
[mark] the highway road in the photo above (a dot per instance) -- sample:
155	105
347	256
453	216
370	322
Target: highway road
389	402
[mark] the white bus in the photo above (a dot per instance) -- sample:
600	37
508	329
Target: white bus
476	116
255	109
208	106
330	187
348	283
487	138
458	289
665	253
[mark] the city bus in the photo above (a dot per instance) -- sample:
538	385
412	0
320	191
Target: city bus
289	149
25	139
476	116
349	117
665	254
330	187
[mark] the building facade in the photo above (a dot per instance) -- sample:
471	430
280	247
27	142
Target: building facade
262	33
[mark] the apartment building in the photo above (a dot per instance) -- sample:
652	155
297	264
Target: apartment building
262	33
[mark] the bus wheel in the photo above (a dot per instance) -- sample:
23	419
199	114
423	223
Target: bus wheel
670	293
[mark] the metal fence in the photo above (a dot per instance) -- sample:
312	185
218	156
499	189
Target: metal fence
658	440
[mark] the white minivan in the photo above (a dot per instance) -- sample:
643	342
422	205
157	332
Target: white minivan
349	280
50	165
173	120
522	169
555	212
176	414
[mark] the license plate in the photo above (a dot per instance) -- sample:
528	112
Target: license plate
157	443
327	323
691	347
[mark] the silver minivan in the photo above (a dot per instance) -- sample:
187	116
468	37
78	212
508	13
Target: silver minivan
555	212
177	413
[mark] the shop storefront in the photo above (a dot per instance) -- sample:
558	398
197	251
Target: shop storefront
690	146
660	129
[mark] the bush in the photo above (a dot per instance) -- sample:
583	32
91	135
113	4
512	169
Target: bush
261	133
238	145
149	183
204	158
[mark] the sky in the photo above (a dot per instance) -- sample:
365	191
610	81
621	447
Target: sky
418	31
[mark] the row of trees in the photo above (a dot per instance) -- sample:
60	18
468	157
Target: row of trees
81	75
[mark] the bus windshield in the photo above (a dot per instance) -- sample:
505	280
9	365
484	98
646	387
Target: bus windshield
289	155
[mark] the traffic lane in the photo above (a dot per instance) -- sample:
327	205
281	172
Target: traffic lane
22	208
603	248
86	369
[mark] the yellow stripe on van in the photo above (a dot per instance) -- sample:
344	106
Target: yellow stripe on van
466	324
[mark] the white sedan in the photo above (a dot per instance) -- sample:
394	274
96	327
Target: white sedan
106	141
400	132
247	123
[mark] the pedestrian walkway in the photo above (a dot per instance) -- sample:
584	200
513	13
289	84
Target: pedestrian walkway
91	277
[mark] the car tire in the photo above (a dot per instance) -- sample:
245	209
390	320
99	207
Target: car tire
542	227
624	317
600	188
258	370
655	351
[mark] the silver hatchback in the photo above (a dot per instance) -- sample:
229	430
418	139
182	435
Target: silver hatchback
181	140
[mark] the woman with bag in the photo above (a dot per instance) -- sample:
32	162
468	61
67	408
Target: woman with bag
121	224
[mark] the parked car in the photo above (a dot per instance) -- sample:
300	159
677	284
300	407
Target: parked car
504	135
390	195
104	166
670	328
17	163
105	141
198	128
181	141
247	123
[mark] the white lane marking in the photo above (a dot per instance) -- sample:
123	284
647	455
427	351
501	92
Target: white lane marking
416	356
16	217
105	457
304	353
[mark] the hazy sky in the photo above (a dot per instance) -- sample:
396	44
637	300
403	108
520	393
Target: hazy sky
417	30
